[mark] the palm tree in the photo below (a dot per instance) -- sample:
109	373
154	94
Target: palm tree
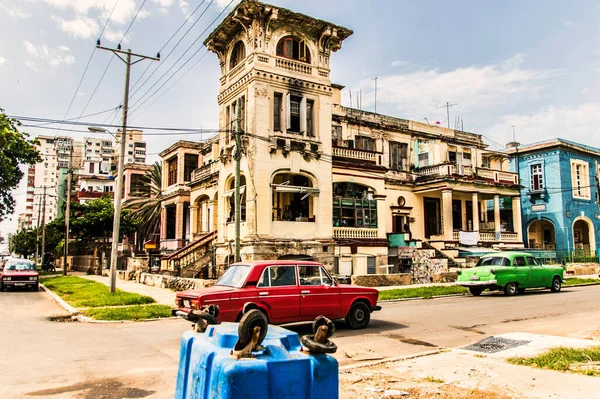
147	208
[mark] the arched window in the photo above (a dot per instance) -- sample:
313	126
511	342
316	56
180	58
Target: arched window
293	198
237	55
230	197
354	205
294	48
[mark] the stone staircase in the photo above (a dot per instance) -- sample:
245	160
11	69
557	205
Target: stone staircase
454	262
195	259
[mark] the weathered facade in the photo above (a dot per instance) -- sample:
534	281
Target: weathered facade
559	196
325	182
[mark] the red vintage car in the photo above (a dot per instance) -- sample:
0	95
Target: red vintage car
19	273
286	291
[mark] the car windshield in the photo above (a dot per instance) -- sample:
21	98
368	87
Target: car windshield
25	266
493	261
235	276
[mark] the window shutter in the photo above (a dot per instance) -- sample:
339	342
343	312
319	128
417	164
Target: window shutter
394	156
288	108
574	179
303	115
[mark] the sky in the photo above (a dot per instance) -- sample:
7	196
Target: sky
532	66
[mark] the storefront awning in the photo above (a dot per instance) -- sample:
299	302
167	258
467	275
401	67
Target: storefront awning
230	192
285	188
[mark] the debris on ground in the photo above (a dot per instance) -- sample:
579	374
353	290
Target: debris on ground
382	382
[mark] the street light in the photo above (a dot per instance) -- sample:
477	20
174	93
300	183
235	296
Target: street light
117	205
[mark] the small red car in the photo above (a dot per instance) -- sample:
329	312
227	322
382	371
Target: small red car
19	273
286	291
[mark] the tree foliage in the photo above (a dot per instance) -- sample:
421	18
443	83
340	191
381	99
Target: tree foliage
94	220
146	208
16	150
23	243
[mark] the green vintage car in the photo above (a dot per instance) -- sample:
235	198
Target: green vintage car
511	272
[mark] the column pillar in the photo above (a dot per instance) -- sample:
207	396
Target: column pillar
463	215
497	215
204	222
447	213
163	223
194	221
179	221
517	223
475	202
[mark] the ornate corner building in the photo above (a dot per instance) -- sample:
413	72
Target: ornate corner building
320	181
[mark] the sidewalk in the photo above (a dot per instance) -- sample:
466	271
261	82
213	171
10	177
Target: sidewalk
473	371
395	287
163	296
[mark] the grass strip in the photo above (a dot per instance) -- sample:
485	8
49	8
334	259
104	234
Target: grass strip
80	292
421	292
135	312
577	280
571	360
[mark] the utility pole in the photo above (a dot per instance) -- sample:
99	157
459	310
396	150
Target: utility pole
37	232
447	106
44	227
375	94
68	210
117	202
237	200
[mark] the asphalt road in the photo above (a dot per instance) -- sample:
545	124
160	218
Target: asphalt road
43	358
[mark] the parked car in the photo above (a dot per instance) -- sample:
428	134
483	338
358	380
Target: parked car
286	291
19	273
512	272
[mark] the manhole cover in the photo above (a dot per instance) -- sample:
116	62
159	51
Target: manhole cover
495	344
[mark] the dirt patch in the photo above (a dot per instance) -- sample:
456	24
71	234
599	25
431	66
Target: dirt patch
470	329
62	319
380	382
410	341
98	389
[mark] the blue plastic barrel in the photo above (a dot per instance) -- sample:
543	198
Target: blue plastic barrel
207	370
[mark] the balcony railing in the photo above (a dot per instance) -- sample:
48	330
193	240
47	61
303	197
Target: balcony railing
498	176
293	66
204	171
354	232
173	244
354	154
490	236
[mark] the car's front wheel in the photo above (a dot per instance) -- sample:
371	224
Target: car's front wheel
359	315
475	291
556	284
2	287
511	289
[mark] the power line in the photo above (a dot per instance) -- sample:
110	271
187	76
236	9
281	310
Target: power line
175	63
173	85
132	21
88	63
163	47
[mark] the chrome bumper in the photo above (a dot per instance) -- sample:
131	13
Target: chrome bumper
477	283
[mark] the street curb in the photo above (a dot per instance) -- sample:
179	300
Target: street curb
392	359
77	315
60	301
467	294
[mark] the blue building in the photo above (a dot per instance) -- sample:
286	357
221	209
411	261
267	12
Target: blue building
559	196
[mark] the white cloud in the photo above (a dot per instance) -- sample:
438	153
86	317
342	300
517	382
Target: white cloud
399	63
163	4
185	7
123	13
51	56
220	4
116	36
474	87
2	60
577	123
81	27
15	13
568	24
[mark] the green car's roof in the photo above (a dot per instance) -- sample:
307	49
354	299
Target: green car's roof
506	254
